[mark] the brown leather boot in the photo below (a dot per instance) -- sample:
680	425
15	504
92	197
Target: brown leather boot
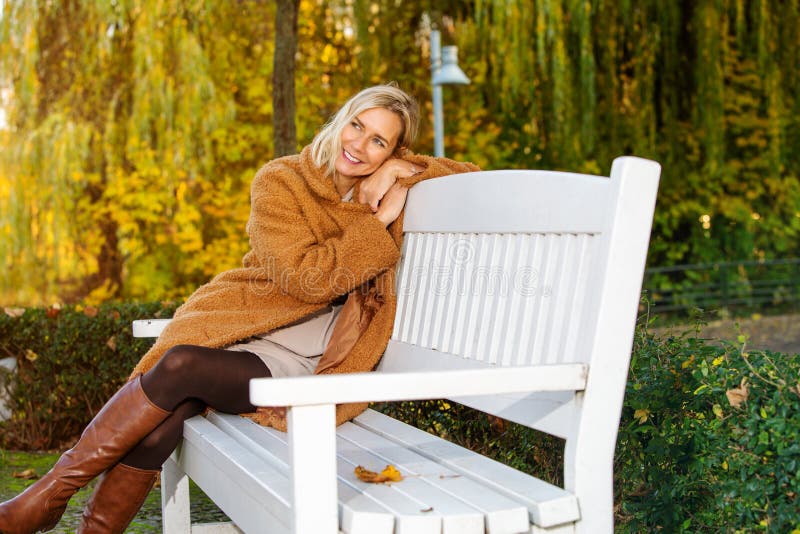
117	428
116	499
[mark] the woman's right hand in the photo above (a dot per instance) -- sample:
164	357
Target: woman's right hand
373	188
392	204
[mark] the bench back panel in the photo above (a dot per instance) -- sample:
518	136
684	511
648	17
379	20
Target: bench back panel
515	268
494	297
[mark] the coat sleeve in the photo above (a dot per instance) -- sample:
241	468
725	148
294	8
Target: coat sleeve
435	168
305	266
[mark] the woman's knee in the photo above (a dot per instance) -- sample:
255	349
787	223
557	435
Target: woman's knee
180	360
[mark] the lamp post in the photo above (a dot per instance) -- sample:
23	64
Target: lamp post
444	70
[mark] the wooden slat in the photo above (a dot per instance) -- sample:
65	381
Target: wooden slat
513	300
253	495
576	339
398	507
548	505
462	503
534	287
358	514
149	327
216	528
531	201
453	275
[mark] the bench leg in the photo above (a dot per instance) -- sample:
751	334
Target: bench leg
312	449
175	512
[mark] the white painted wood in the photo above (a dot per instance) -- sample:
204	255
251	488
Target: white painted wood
540	201
548	505
358	514
253	494
551	412
312	448
589	453
175	512
360	387
216	528
561	529
505	283
149	327
462	503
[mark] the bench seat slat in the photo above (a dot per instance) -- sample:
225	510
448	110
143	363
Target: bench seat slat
222	468
407	511
358	513
467	505
433	501
548	505
450	493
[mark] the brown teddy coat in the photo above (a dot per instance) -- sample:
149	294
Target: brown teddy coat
307	248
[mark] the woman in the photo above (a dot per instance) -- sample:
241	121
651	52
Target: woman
315	295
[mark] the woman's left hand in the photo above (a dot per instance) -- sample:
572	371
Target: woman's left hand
374	187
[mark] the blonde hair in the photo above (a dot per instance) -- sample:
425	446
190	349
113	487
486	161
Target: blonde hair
327	144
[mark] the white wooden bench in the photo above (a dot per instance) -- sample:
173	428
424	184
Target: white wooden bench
517	295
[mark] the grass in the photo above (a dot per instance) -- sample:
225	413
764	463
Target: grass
148	520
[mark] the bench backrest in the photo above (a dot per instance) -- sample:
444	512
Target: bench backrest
515	268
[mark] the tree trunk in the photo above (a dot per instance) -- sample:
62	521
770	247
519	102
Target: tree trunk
283	77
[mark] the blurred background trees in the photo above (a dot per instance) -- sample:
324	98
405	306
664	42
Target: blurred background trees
133	127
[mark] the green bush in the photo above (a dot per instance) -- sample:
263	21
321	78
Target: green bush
709	439
69	362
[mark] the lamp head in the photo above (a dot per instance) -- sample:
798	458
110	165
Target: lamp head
450	73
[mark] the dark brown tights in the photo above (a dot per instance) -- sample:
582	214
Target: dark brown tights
186	380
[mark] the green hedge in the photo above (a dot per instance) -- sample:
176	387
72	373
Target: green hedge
709	439
69	362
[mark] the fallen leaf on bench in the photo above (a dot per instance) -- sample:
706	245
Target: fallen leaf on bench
428	509
389	474
28	474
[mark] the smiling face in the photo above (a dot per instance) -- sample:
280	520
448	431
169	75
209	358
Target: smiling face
367	141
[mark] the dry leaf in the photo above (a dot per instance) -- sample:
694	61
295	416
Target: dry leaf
90	311
30	355
389	474
28	474
52	312
112	343
392	473
14	312
737	396
428	509
498	425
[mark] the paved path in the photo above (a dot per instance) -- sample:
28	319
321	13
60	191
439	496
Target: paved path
779	333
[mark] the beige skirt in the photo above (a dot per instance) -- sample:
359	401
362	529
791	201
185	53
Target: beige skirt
294	350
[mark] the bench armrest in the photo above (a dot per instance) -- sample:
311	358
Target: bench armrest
381	386
149	327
